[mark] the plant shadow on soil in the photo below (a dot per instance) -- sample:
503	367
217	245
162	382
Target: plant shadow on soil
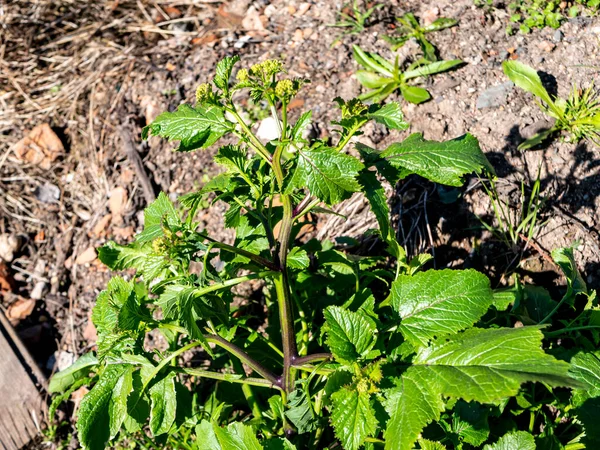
460	239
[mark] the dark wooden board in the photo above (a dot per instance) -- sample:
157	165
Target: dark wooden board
22	406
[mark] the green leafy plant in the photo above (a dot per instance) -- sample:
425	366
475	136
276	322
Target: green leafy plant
383	77
410	28
340	348
578	116
531	14
354	21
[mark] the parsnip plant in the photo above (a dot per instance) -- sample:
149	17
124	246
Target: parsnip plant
339	349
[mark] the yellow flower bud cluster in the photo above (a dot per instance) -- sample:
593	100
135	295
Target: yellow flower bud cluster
267	68
242	75
203	92
285	89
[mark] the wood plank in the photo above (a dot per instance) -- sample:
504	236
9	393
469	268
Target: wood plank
22	406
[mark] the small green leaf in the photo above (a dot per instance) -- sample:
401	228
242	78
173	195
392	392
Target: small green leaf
298	259
198	127
328	174
431	69
470	422
520	440
350	335
160	211
443	162
566	260
81	368
370	62
585	368
301	125
223	72
353	417
389	115
300	411
236	436
527	79
371	80
414	94
163	405
439	302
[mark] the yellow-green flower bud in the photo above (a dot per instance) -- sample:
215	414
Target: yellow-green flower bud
242	75
267	68
354	107
285	89
203	92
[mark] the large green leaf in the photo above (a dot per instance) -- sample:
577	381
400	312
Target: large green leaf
350	335
520	440
328	174
439	302
198	127
94	419
236	436
163	405
585	368
353	417
480	365
443	162
81	368
159	213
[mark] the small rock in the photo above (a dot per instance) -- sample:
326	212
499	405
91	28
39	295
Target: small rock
558	36
298	35
89	333
47	193
87	256
303	9
39	290
495	96
270	10
117	204
546	46
268	130
430	15
9	245
252	20
101	227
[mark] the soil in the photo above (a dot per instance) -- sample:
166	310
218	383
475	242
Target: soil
97	73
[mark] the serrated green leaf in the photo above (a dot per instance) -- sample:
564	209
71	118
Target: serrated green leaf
413	404
223	72
350	335
353	417
476	365
443	162
585	368
236	436
520	440
300	411
159	213
298	259
426	444
470	422
198	127
233	157
328	174
389	115
439	302
163	405
93	418
64	379
486	365
301	125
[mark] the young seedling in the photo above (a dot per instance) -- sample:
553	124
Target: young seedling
577	117
356	21
531	14
383	77
344	350
411	29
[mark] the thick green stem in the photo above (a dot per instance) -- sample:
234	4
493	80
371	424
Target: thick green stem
287	330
